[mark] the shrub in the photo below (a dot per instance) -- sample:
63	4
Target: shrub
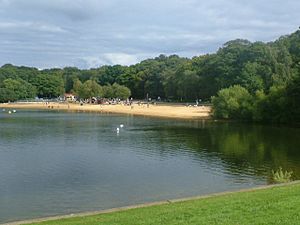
233	103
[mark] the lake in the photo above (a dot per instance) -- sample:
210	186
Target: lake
54	163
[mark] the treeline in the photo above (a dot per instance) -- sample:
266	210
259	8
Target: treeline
267	72
267	88
91	88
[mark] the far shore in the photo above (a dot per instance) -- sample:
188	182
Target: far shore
167	111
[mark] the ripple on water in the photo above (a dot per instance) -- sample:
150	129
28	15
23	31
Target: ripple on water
76	161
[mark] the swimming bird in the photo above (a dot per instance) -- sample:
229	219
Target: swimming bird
118	130
14	111
121	125
9	112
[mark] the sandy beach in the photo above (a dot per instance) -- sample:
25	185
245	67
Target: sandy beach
168	111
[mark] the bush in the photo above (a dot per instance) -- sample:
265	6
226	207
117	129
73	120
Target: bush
233	102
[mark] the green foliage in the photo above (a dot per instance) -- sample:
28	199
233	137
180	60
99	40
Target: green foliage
77	86
237	103
120	91
70	74
273	107
258	113
233	102
293	99
250	79
49	84
88	89
91	88
271	206
12	90
280	176
188	85
268	71
108	91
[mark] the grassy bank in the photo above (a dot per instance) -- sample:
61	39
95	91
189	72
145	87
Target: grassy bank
275	205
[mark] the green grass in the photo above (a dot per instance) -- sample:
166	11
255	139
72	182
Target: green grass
276	205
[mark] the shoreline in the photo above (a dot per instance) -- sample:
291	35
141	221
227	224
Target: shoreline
163	111
149	204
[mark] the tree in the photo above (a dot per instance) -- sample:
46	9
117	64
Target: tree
273	106
293	100
188	85
49	85
77	87
250	79
108	91
268	71
12	90
120	91
89	89
233	103
70	74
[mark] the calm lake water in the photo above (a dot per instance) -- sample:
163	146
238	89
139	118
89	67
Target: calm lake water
54	163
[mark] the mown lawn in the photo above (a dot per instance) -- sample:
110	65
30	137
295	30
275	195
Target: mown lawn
277	205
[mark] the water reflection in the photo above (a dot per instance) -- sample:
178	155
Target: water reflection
76	162
243	148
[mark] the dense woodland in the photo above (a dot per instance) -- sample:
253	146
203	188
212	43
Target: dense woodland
250	81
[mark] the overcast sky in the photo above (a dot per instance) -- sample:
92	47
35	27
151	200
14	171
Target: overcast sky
90	33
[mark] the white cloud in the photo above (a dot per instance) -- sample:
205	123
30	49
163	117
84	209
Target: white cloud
121	58
90	33
37	26
107	59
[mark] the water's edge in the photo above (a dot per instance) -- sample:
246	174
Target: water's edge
156	203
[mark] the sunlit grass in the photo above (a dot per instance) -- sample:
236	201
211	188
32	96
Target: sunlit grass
276	205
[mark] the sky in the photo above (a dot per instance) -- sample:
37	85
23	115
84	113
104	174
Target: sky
92	33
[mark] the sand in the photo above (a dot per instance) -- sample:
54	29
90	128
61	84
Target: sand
168	111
